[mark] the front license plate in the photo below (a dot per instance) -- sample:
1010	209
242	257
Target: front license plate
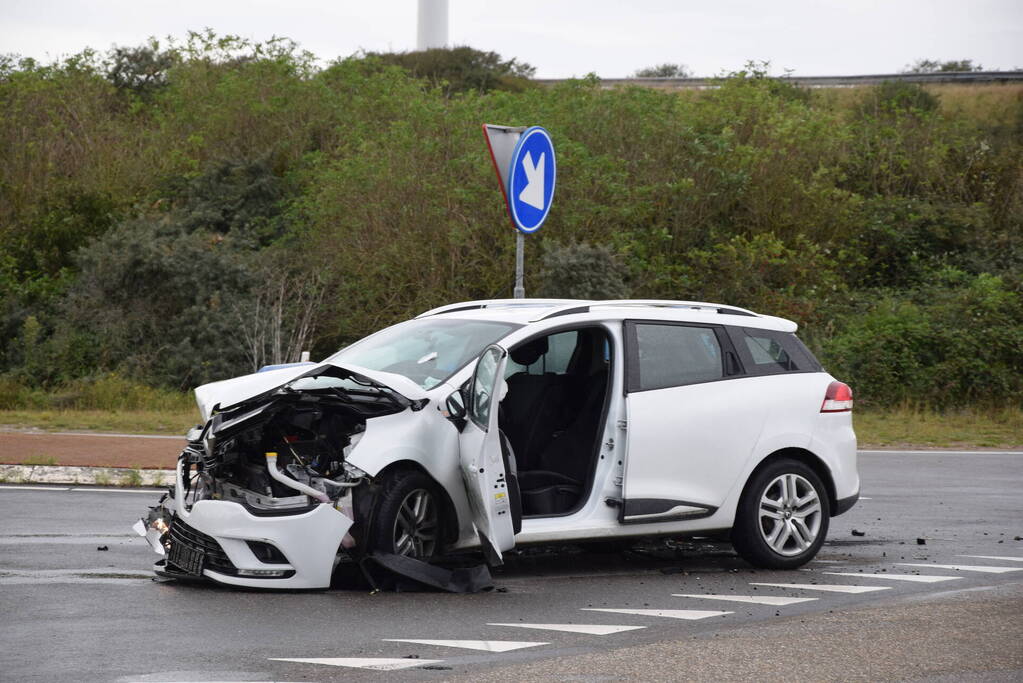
186	558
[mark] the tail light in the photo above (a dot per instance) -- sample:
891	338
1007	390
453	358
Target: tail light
837	399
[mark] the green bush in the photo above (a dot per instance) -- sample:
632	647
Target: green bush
582	271
460	69
895	97
954	342
108	392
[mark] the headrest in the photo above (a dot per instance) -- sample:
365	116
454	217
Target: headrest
529	353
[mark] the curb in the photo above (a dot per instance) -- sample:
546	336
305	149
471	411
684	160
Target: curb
101	476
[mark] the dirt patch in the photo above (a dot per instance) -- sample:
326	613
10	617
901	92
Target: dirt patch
80	450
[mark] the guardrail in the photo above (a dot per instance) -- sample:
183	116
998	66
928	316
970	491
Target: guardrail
818	81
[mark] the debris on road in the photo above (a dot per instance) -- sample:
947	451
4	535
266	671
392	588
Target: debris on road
921	541
103	547
857	532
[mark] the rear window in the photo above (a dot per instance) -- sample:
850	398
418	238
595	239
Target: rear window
674	355
766	352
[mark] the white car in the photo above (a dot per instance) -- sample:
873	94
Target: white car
492	424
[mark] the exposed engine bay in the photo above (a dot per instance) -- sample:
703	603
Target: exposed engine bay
290	455
280	454
286	450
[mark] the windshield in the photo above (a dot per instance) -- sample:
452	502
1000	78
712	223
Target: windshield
427	351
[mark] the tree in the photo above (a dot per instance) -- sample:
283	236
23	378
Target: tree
666	70
141	70
930	66
461	68
278	323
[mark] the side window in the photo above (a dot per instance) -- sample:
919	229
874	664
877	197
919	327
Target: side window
674	355
480	393
559	355
769	352
539	357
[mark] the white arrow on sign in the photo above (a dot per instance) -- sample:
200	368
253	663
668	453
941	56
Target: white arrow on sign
532	193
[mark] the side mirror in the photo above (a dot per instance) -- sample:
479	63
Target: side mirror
454	409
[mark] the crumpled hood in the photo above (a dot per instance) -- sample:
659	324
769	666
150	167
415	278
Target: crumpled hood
229	392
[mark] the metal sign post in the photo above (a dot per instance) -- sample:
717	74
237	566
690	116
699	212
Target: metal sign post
525	164
520	265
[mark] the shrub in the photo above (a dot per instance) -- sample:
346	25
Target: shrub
140	70
666	70
582	271
952	343
894	97
460	69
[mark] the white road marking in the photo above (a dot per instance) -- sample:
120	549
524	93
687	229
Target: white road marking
36	488
964	567
375	663
90	490
917	578
485	645
590	629
865	498
995	557
829	588
940	452
751	599
691	614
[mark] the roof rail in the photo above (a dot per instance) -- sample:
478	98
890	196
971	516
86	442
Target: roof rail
585	307
500	303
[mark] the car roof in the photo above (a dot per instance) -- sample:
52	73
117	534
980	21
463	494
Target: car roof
526	311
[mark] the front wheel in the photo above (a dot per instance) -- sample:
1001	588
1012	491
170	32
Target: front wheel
782	518
408	516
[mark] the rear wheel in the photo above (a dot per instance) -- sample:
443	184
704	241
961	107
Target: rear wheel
782	519
408	517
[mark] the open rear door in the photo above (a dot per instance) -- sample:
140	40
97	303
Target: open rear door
481	460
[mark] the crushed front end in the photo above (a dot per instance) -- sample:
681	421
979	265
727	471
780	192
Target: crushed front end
263	493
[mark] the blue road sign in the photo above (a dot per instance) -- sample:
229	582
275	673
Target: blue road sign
531	175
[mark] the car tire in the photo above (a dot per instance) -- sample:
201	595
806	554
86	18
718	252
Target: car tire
782	518
408	517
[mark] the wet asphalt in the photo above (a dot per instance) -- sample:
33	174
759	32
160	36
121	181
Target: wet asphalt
74	612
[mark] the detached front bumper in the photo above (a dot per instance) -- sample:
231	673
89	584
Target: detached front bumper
216	540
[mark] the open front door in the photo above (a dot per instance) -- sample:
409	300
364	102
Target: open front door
481	460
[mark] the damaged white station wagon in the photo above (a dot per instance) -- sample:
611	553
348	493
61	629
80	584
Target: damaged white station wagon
492	424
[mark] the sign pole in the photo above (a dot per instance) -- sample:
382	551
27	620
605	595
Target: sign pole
520	248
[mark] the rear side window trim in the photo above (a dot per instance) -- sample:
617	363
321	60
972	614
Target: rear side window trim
632	374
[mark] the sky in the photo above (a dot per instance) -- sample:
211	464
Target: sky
563	38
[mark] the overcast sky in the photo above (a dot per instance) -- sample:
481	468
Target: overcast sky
564	37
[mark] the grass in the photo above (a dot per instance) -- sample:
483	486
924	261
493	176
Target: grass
40	460
132	478
167	422
913	426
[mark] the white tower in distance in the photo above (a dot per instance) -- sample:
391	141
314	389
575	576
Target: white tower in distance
432	30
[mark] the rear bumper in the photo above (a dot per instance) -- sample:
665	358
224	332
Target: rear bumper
843	505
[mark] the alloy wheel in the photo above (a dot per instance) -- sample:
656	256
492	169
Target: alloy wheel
415	526
790	514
